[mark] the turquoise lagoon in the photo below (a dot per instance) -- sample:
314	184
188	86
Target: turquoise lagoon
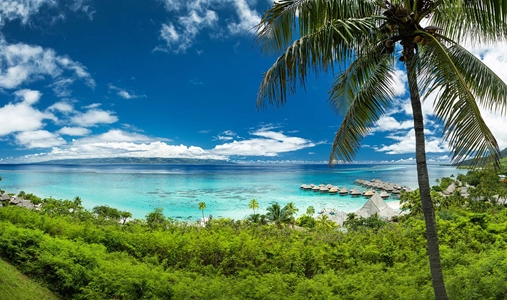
226	189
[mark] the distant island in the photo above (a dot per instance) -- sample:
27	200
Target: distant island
135	160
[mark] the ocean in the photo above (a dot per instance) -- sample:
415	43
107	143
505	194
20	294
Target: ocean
226	189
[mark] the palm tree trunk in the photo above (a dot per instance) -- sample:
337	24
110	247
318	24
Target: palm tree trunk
423	180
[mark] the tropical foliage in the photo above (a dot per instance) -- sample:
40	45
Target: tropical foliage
202	207
80	255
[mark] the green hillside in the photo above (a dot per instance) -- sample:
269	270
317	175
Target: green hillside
503	155
14	285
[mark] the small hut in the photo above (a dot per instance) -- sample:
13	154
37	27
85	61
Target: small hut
376	205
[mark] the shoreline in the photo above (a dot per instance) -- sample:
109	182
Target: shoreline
226	190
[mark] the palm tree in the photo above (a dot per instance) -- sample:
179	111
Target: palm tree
310	211
202	206
253	205
364	38
277	214
291	211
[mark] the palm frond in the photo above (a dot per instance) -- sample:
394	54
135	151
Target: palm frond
365	88
489	89
349	82
472	20
334	42
464	128
288	18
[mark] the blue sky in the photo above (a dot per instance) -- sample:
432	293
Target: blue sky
155	78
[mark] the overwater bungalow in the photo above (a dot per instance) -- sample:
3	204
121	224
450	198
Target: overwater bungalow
384	194
308	187
333	190
324	189
368	194
344	191
355	192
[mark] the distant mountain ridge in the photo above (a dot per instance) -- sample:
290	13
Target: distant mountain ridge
503	160
135	160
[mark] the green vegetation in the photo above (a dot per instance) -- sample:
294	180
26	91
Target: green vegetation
254	204
16	286
360	42
81	254
202	207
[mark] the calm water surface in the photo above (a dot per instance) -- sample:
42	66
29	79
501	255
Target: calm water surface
226	189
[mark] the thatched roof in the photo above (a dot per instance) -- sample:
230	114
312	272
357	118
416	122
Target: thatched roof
376	205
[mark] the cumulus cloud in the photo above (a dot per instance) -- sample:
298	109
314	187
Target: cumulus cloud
21	115
400	83
405	143
389	123
194	16
93	117
74	131
62	107
22	63
119	143
268	143
39	139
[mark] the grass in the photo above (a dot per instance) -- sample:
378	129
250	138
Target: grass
16	286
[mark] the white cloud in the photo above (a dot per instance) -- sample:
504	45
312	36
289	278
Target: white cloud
198	15
21	9
389	123
248	18
270	143
93	105
118	143
22	116
29	96
22	63
123	93
24	10
189	26
498	126
39	139
400	83
84	6
62	107
227	135
93	117
74	131
406	144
